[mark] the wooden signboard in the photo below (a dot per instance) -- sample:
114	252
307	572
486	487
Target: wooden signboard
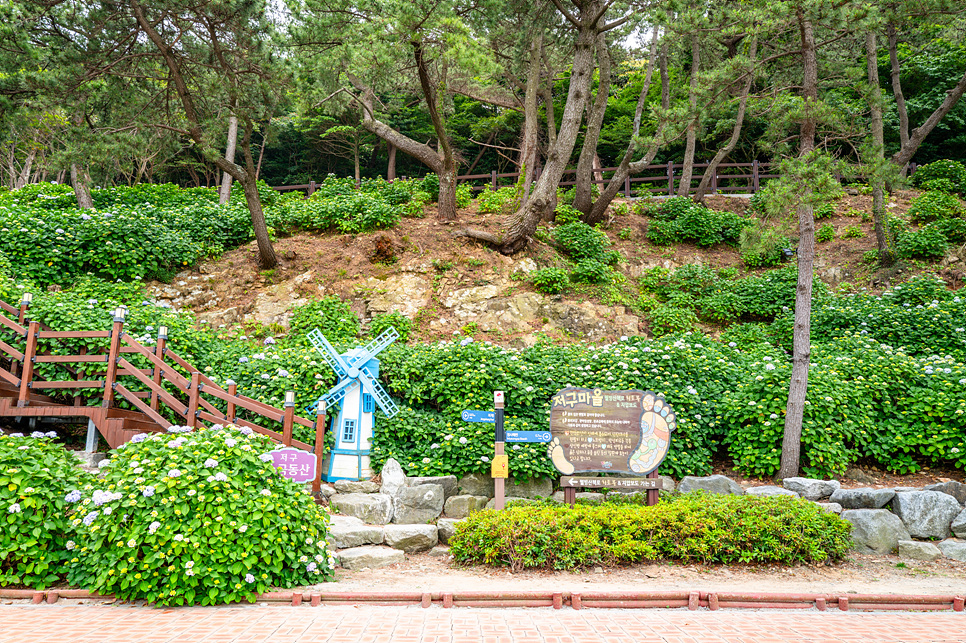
609	431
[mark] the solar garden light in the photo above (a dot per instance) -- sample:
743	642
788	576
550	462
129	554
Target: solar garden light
289	398
162	332
27	298
119	314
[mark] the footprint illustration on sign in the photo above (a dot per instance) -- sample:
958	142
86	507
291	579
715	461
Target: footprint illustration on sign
657	423
556	453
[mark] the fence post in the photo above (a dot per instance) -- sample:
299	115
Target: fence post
319	446
24	304
289	418
670	178
29	351
755	181
232	390
627	186
493	180
714	181
157	373
194	392
311	188
113	355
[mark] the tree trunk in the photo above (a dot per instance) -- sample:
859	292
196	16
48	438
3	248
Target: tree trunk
583	194
225	192
692	134
529	141
918	135
897	84
878	152
355	158
266	253
24	175
391	168
736	132
446	205
82	188
802	347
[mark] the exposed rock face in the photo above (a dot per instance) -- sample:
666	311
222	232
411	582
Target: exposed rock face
710	484
370	508
918	550
463	506
353	486
588	320
863	498
370	556
414	505
926	514
875	531
953	548
476	484
770	490
273	305
448	483
393	478
406	293
810	488
956	489
470	302
447	529
533	488
412	538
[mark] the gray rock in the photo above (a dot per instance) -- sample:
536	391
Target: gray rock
770	490
859	475
831	507
926	514
810	488
875	531
340	520
439	551
533	488
346	536
89	459
512	502
393	478
412	538
370	508
918	550
863	498
476	484
448	483
370	556
590	497
447	529
953	548
956	489
356	486
958	526
905	489
710	484
327	491
463	506
668	484
415	505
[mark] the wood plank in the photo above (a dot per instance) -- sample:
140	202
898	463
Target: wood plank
9	377
258	429
10	350
70	359
246	403
142	407
7	307
40	384
12	325
74	334
173	403
180	362
170	373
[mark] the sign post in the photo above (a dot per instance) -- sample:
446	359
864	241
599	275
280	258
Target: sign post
499	470
319	446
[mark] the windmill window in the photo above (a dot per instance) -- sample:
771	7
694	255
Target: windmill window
349	431
367	403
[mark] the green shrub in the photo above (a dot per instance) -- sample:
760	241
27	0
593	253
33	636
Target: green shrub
761	248
953	229
591	271
671	319
464	195
927	243
939	185
696	527
679	219
330	315
430	185
37	477
954	171
394	319
495	201
870	257
932	206
580	242
825	233
824	211
415	207
853	232
550	280
197	518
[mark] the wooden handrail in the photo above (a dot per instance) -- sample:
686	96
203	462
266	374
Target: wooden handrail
142	407
75	334
10	350
12	325
170	374
70	359
247	403
173	403
10	377
43	384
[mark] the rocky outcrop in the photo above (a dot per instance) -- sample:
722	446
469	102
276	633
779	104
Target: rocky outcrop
926	514
532	488
448	483
476	484
710	484
405	293
421	504
810	488
918	551
875	531
956	489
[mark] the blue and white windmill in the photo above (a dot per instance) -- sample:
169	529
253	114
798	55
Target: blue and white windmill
357	392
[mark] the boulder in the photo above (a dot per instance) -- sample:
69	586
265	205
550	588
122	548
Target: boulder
926	514
512	502
510	314
370	556
875	531
346	536
356	486
412	538
831	507
415	505
590	497
958	526
476	484
463	506
340	520
393	478
447	529
918	550
370	508
533	488
953	548
326	491
862	498
770	490
710	484
810	488
956	489
405	293
448	483
439	551
859	476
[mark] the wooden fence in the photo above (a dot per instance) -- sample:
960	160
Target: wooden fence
147	390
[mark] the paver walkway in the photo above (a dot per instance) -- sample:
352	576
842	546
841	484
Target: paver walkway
377	624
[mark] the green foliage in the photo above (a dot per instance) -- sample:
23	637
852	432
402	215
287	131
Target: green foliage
824	211
496	201
939	185
464	195
430	185
591	271
953	229
671	319
415	207
953	171
825	233
550	280
197	518
35	534
394	319
927	243
852	232
337	205
679	219
330	315
696	527
762	247
934	205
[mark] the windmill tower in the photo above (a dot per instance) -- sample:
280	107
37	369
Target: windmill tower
357	392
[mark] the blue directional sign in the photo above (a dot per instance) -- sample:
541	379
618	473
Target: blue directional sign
479	416
528	436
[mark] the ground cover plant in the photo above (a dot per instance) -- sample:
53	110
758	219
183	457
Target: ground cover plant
196	517
695	527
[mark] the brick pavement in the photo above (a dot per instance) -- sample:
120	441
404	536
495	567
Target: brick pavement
377	624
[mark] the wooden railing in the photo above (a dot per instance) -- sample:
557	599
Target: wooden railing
161	384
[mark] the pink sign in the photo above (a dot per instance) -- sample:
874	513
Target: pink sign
295	464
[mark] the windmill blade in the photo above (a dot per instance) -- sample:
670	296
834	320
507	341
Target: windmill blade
335	394
378	393
380	343
329	354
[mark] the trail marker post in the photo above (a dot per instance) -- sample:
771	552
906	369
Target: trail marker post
500	469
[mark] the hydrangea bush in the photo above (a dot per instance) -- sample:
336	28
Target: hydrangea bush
196	518
36	476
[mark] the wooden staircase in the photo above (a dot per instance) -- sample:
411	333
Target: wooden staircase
169	387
